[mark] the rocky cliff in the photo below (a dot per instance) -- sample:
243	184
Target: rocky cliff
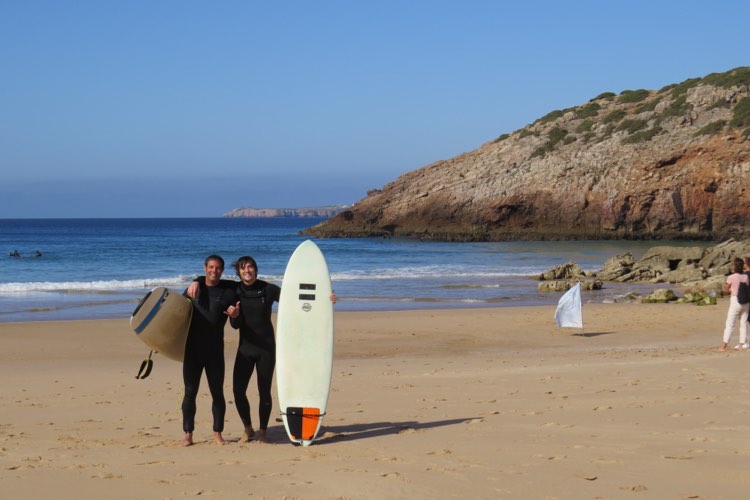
287	212
644	164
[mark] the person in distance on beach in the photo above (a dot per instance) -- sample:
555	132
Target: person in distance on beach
746	270
736	310
257	345
204	349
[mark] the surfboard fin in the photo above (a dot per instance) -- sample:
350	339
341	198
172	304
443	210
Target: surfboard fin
146	366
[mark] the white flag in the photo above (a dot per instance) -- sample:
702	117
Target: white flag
569	312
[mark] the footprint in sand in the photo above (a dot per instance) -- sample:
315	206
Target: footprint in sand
391	474
84	466
589	478
408	430
108	475
636	488
19	467
329	435
605	461
441	452
557	424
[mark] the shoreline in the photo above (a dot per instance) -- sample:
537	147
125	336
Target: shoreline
519	291
429	403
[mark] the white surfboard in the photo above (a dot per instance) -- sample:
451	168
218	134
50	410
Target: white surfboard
304	343
161	320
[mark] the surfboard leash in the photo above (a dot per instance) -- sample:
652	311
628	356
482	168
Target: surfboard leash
302	415
146	367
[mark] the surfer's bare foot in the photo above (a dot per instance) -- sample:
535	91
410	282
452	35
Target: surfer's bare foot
247	435
188	439
218	438
722	348
261	436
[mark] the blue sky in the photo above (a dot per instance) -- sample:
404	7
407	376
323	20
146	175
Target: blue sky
180	108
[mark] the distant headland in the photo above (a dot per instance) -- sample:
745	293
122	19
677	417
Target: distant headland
326	211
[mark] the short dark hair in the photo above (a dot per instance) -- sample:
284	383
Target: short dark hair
215	257
242	262
738	265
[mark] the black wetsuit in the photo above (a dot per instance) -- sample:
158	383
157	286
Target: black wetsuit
257	347
205	350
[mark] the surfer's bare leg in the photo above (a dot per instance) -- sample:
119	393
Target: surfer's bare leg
188	439
261	436
247	435
218	438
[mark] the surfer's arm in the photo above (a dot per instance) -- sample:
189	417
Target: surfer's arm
235	322
273	293
194	289
233	311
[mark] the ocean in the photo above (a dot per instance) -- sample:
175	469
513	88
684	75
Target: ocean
100	268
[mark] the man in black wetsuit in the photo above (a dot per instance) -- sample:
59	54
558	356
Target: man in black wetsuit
257	347
204	349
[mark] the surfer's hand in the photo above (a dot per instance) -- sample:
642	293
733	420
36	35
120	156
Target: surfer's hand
333	298
193	290
233	311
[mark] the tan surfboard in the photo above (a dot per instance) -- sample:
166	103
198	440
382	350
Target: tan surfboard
161	320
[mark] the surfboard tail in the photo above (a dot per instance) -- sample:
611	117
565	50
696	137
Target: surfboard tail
303	423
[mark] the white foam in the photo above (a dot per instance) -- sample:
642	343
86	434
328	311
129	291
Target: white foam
429	272
95	286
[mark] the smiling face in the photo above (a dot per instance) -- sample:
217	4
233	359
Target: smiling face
214	269
248	273
247	269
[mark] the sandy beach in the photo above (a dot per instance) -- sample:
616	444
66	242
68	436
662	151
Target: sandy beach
470	403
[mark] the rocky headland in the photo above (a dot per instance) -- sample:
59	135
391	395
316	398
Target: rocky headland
645	164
